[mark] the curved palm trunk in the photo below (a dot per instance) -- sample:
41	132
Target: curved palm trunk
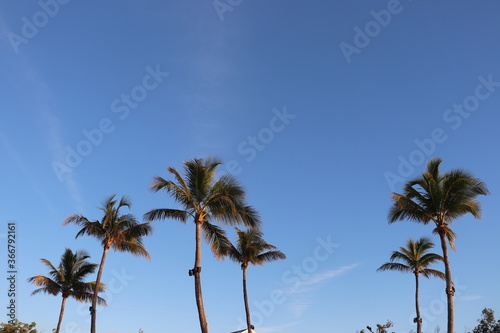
96	291
61	314
450	290
197	281
417	307
245	298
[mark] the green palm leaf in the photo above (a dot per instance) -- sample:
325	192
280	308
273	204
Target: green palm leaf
120	232
208	201
67	280
441	198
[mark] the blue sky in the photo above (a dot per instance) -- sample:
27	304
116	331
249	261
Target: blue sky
320	109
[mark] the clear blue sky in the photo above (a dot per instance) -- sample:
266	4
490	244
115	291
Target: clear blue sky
320	109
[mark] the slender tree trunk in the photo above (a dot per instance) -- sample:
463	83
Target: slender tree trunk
96	291
450	290
197	281
61	314
245	298
417	308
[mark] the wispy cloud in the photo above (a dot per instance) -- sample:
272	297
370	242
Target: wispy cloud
299	306
280	328
53	129
303	297
14	156
469	298
41	97
318	278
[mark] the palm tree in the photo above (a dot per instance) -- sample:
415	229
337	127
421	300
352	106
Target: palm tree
415	259
440	198
205	200
120	232
67	280
250	250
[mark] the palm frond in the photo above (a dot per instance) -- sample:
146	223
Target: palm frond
395	266
47	285
217	239
251	248
163	213
413	258
428	272
270	256
133	247
70	274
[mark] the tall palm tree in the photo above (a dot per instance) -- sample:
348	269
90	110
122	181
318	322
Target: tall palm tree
440	198
120	232
205	200
250	249
67	280
415	258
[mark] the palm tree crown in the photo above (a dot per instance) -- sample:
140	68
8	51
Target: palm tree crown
440	198
68	279
205	200
414	258
121	232
250	249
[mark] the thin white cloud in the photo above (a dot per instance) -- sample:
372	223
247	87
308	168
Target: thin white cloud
469	298
14	156
53	128
301	298
314	280
281	328
56	145
299	306
42	98
318	278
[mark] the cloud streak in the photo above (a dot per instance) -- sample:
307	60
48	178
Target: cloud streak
281	328
303	296
41	98
328	275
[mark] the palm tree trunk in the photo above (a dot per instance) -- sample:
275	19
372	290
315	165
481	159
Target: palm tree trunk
450	290
417	308
197	281
96	291
245	298
61	314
